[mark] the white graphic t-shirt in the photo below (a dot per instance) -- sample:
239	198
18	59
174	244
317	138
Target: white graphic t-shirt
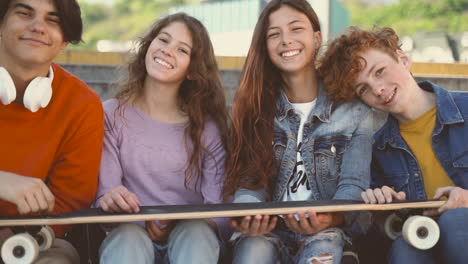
298	185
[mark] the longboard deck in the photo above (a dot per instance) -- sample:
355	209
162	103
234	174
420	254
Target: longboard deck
168	212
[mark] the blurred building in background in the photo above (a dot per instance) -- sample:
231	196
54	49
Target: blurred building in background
437	47
231	22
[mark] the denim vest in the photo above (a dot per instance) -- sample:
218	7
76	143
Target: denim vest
393	163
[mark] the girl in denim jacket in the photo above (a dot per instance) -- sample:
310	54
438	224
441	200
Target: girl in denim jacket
292	142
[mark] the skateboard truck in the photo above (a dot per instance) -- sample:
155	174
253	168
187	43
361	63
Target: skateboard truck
24	246
393	224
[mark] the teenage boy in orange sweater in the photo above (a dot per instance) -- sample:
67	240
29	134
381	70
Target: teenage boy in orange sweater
51	123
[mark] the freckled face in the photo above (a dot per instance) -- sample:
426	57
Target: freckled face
384	83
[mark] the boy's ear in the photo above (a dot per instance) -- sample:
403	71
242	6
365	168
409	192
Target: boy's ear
64	45
405	59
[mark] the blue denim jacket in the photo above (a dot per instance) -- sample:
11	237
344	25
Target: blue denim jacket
337	145
395	165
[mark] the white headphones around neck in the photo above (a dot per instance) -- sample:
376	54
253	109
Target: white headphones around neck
37	94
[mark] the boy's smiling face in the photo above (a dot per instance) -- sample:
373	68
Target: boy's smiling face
384	83
31	33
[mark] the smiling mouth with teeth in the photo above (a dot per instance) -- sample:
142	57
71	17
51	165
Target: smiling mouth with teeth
290	53
163	63
391	96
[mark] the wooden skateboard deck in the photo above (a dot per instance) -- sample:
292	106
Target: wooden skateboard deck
421	232
166	212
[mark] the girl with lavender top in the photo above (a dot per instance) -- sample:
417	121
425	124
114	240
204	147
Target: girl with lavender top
165	143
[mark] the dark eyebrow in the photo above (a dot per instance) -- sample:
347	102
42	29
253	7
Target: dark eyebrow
165	33
290	23
30	8
56	14
183	43
25	6
294	21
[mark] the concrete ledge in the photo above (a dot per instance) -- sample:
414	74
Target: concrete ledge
236	63
100	77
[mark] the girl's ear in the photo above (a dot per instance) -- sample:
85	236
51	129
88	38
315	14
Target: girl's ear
404	59
190	77
317	39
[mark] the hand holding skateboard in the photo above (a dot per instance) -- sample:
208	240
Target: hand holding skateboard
457	198
310	224
257	225
31	195
120	199
419	231
382	195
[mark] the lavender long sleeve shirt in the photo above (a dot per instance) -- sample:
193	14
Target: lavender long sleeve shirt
149	158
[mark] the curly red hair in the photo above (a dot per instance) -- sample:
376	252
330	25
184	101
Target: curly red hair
341	63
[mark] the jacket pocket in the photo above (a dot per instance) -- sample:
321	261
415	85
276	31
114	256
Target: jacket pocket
461	161
460	165
400	183
279	146
328	154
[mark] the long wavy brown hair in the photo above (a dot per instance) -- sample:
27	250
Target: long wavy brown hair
201	98
251	163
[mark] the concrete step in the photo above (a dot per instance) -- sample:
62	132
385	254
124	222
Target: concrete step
93	71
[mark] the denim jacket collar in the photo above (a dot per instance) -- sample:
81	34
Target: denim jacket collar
447	113
322	109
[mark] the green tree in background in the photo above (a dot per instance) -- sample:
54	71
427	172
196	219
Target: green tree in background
128	19
410	16
124	20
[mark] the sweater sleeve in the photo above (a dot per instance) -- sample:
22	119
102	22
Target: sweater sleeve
213	175
73	176
110	172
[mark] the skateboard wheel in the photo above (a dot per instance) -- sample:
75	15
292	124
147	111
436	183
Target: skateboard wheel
20	249
45	238
421	232
393	226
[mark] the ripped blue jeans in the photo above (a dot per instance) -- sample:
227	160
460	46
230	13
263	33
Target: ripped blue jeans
285	247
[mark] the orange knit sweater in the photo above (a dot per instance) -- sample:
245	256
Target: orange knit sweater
60	144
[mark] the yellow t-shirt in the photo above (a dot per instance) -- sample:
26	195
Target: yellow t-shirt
418	136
